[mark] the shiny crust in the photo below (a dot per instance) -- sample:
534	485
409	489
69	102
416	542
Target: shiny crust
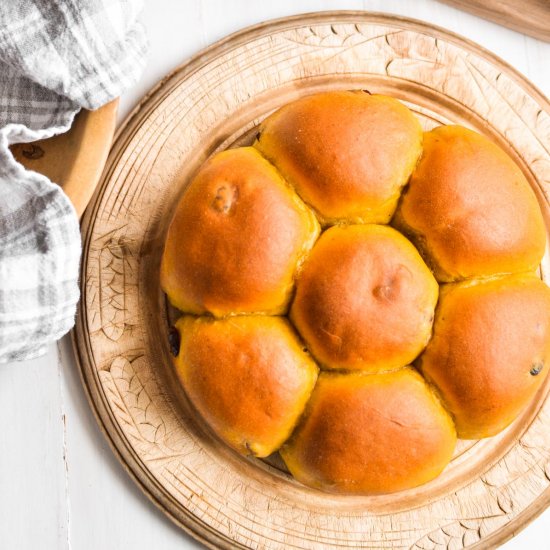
470	209
248	377
490	351
348	154
364	299
371	434
236	238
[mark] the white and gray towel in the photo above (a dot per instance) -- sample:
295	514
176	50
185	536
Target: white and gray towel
56	56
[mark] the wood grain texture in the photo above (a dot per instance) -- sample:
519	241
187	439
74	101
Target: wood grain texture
531	17
30	391
75	159
491	488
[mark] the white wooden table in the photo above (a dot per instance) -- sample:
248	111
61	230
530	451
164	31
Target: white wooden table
61	486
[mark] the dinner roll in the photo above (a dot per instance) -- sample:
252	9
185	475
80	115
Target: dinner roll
348	154
236	238
249	378
490	350
470	209
371	434
364	299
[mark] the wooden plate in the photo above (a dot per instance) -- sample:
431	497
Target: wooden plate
491	489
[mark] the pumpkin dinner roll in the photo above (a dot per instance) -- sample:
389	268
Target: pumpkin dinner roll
371	434
364	299
490	350
470	209
348	153
248	376
236	239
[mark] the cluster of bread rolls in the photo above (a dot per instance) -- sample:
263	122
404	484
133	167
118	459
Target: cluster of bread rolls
356	294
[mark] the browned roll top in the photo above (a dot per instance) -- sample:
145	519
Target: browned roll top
348	154
470	209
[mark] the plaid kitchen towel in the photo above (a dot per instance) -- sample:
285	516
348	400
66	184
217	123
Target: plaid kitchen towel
56	56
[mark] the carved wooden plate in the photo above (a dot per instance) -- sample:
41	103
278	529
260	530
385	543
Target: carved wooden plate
491	489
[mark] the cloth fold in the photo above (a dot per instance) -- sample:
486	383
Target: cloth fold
55	57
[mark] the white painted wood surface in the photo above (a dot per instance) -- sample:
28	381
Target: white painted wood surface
61	486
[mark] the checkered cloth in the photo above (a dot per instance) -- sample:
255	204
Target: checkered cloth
56	56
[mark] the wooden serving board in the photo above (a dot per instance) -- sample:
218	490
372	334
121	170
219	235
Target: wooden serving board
75	159
491	489
527	16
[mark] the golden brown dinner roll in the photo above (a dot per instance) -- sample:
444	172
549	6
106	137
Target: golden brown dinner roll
490	350
364	299
470	209
236	238
348	154
371	434
249	377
